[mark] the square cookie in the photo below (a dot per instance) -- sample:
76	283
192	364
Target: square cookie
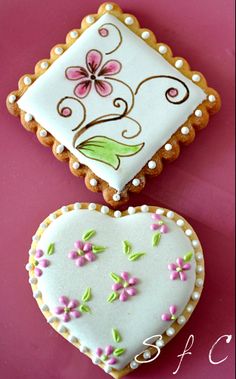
114	103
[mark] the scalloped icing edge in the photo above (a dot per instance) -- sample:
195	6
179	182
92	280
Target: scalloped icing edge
193	123
184	225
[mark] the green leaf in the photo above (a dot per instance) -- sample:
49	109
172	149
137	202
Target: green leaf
107	150
118	352
87	295
84	308
51	249
156	239
135	256
116	278
188	257
116	336
98	249
112	297
89	234
127	247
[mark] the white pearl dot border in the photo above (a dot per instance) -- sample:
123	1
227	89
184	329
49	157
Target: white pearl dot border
170	332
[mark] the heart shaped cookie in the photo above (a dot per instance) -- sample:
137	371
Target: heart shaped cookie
109	280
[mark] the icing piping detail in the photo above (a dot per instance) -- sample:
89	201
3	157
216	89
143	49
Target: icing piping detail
178	269
123	288
127	250
170	316
159	224
105	32
116	335
38	263
51	249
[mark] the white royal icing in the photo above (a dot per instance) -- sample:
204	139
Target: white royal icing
158	118
141	316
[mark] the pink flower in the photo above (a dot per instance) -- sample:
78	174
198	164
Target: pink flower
170	316
106	355
39	263
178	269
159	225
83	253
90	75
126	287
68	309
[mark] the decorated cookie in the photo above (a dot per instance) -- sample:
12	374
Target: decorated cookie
108	281
113	102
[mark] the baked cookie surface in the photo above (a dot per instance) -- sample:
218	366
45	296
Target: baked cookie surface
113	102
109	280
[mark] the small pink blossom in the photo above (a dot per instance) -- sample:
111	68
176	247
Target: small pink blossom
125	288
178	269
83	253
170	316
67	309
90	76
39	263
106	355
159	225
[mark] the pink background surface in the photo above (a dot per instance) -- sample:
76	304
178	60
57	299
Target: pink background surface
199	185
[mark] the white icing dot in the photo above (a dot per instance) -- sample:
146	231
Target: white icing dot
83	349
145	35
117	214
73	339
93	182
43	225
168	147
96	360
190	308
109	7
52	216
198	113
162	49
45	308
43	133
52	319
37	294
104	209
76	165
116	197
144	208
129	20
58	50
131	210
33	280
152	165
74	34
195	295
146	354
60	149
170	332
211	98
62	329
196	78
32	252
77	206
134	365
27	80
179	63
107	369
136	182
199	282
185	130
180	222
92	206
11	99
44	65
170	214
199	269
195	243
35	238
181	320
28	117
64	209
29	266
160	211
89	19
199	256
160	343
188	232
